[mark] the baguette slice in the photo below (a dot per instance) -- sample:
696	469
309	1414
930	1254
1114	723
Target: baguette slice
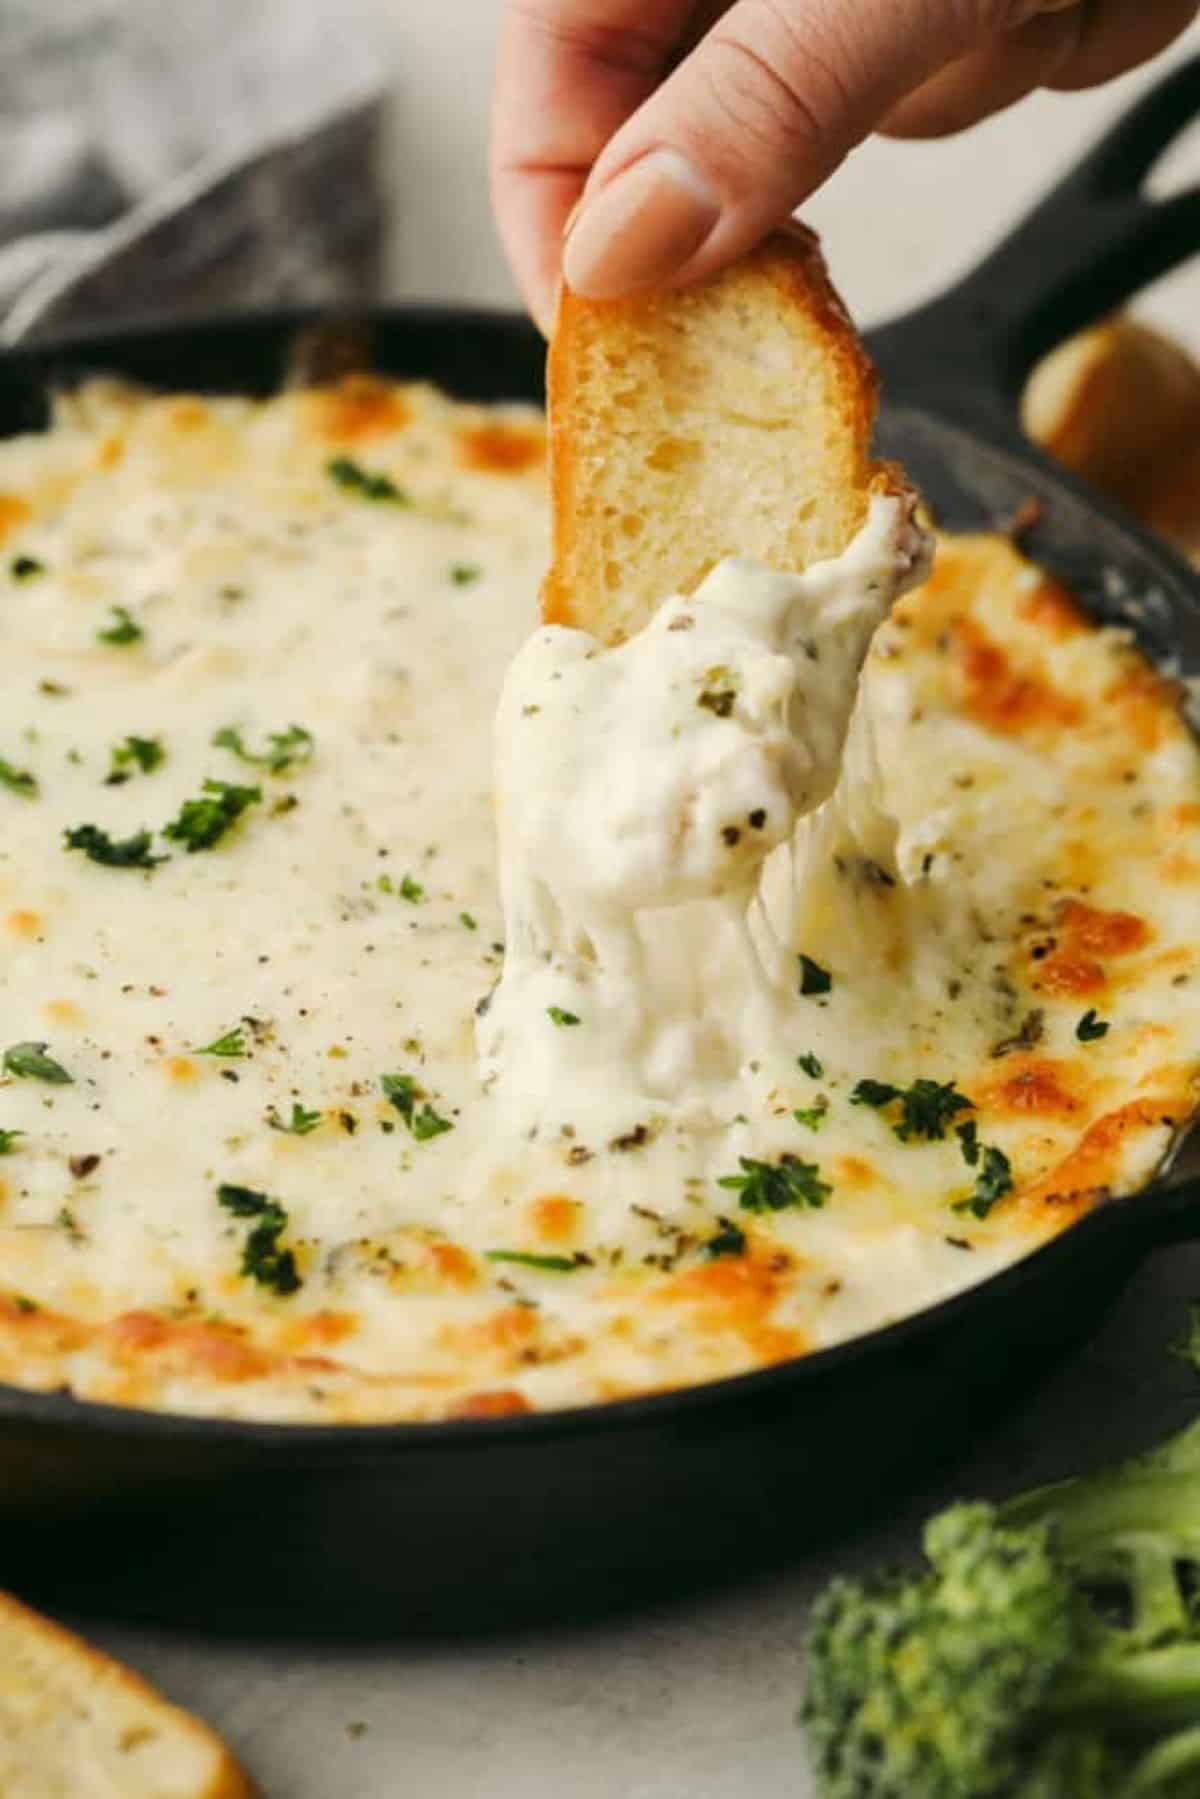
731	418
1120	405
74	1724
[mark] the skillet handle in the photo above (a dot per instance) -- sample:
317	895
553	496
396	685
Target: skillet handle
1094	240
1172	1205
1174	1214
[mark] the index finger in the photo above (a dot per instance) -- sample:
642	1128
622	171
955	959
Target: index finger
568	75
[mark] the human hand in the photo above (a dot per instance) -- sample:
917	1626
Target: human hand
672	134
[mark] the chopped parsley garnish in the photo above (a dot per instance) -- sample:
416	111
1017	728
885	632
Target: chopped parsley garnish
110	852
262	1258
992	1182
232	1044
463	573
403	1093
994	1178
411	890
813	978
29	1062
1090	1028
265	1262
123	631
146	753
427	1123
812	1116
776	1186
17	780
926	1108
547	1264
368	484
202	823
874	1093
467	922
283	749
244	1202
300	1123
811	1066
24	568
728	1241
556	1015
7	1139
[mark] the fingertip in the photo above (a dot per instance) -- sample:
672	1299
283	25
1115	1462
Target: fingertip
544	292
539	290
640	228
543	313
532	211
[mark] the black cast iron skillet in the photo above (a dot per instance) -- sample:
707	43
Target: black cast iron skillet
433	1527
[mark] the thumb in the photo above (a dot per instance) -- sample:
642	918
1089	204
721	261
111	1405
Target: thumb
762	110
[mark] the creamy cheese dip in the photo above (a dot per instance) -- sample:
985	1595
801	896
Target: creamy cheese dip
248	1164
639	791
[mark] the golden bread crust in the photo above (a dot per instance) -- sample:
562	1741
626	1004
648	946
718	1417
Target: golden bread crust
1120	405
60	1698
730	417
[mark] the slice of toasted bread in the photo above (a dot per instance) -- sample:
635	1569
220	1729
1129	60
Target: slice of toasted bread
728	418
1120	404
74	1724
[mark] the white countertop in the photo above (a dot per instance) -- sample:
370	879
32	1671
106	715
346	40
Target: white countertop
696	1701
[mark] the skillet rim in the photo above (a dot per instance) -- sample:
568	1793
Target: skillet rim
384	1441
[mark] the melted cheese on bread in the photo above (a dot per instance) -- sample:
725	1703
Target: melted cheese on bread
248	1164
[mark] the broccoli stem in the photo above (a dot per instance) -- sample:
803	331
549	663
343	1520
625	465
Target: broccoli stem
1130	1525
1150	1565
1153	1689
1098	1507
1164	1763
1144	1512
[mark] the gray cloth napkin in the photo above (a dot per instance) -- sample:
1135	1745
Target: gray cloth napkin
167	158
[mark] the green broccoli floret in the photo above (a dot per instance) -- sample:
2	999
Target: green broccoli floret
918	1682
1048	1648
